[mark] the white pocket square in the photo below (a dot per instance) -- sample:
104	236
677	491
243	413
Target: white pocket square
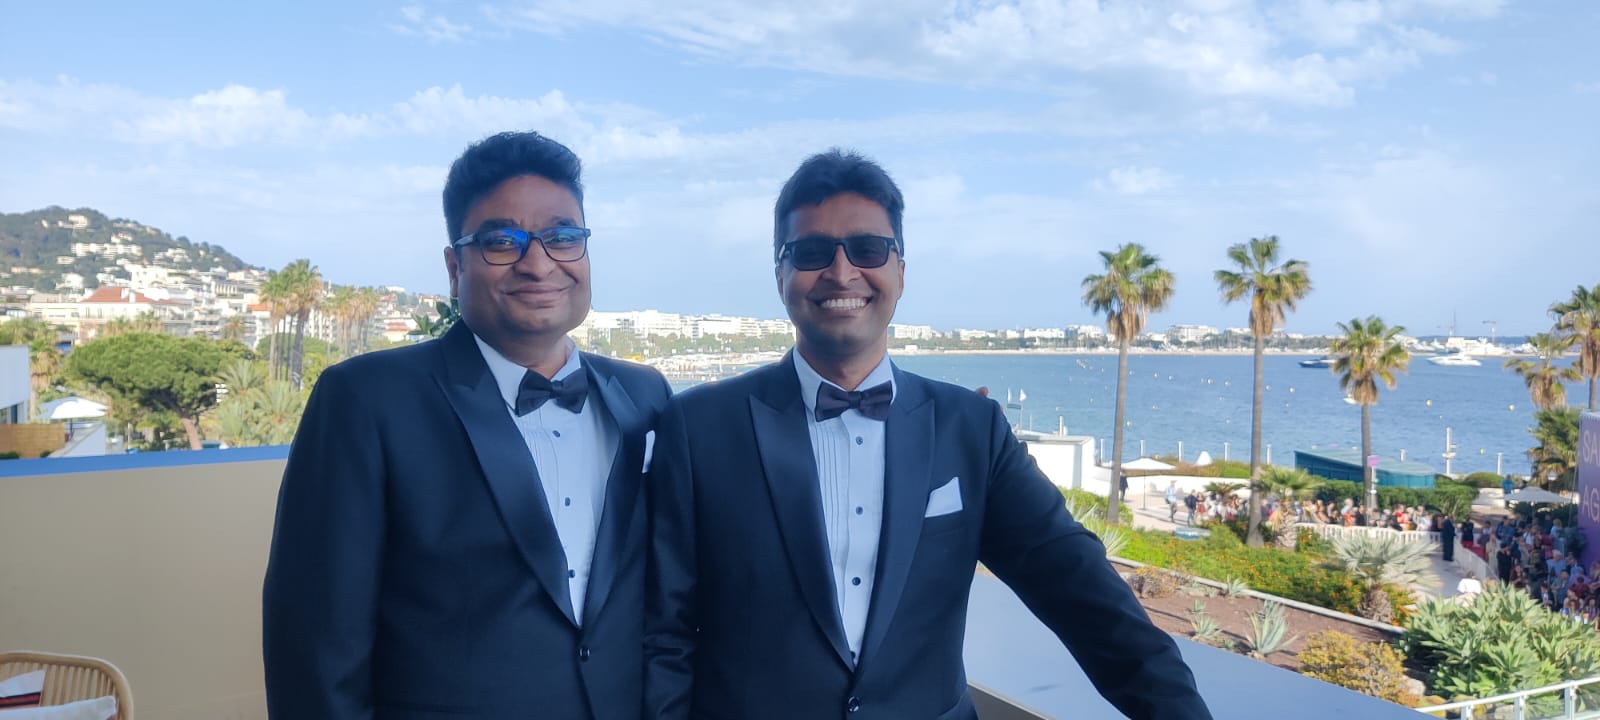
649	449
945	500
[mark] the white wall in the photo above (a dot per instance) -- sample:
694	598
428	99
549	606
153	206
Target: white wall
14	384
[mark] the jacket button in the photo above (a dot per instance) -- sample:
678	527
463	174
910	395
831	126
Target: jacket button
852	705
583	653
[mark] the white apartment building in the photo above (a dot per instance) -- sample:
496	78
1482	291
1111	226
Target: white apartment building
1190	333
911	332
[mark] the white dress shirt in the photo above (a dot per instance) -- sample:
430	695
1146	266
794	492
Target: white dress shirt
573	454
849	451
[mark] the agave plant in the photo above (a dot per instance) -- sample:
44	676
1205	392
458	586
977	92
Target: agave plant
1234	587
1269	630
1502	641
1115	538
1206	629
1378	561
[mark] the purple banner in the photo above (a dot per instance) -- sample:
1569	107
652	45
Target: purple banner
1589	485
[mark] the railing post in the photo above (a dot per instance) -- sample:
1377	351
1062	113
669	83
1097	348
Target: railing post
1569	699
1466	713
1521	708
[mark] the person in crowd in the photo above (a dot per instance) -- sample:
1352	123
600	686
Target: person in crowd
1447	537
1192	502
1505	562
1172	500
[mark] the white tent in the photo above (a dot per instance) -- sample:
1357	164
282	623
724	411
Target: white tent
1203	460
1536	496
72	408
1146	464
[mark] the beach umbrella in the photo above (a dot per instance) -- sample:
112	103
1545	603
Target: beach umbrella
1536	496
1150	464
72	408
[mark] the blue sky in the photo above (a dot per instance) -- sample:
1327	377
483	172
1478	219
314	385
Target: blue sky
1430	159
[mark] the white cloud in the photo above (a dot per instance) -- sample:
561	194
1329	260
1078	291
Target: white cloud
1213	47
1136	180
415	21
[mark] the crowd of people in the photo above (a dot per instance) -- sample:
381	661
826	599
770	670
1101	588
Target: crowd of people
1534	555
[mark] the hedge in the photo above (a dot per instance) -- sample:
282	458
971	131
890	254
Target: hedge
1445	492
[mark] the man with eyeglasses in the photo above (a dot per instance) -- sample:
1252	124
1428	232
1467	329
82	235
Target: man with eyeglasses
815	523
461	522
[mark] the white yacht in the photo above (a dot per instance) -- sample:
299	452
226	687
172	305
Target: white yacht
1458	359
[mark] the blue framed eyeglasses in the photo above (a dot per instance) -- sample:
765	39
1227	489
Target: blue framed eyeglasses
507	246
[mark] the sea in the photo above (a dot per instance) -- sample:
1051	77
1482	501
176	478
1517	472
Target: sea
1185	404
1203	402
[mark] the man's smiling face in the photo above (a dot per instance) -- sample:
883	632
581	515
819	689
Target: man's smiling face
841	311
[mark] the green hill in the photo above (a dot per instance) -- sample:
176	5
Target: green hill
36	239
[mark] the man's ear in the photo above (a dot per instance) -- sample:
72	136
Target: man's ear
452	263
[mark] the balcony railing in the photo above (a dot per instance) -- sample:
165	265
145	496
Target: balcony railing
154	562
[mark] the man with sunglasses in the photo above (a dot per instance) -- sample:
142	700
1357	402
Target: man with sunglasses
461	522
816	523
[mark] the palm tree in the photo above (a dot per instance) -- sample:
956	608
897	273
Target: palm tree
1273	289
1367	353
1580	315
366	306
1556	430
275	295
1543	377
340	306
1378	561
232	328
1133	286
304	285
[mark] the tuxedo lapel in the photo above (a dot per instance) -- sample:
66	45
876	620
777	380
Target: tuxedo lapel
907	480
783	440
622	487
508	467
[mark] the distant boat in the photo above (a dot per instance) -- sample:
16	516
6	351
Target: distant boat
1460	359
1321	362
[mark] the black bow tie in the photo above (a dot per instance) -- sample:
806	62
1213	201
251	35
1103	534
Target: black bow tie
568	393
872	402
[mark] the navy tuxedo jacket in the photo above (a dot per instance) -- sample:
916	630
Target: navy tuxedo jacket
415	568
741	618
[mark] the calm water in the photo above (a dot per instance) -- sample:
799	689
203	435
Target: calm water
1204	401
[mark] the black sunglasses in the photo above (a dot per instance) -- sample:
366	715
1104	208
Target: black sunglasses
507	246
817	251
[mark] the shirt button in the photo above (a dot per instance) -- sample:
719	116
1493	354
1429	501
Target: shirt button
852	705
859	440
855	581
567	502
557	433
572	573
860	510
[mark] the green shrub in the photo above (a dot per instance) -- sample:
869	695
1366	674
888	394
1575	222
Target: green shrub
1483	480
1365	667
1312	544
10	455
1502	641
1222	556
1447	496
1084	498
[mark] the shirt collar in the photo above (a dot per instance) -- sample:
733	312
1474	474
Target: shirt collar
508	374
810	380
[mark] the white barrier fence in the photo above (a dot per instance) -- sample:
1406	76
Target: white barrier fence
1465	559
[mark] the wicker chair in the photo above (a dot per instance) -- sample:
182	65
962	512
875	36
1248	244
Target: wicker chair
70	678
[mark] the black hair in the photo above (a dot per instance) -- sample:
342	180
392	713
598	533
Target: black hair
493	160
830	173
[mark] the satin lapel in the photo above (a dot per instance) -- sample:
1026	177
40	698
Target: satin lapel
783	441
907	480
622	489
507	465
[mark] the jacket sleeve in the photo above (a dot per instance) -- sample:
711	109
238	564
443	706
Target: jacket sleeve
1060	571
670	580
320	597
